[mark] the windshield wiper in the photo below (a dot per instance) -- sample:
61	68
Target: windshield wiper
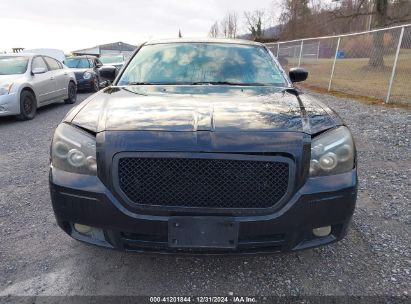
187	83
141	83
227	83
215	83
198	83
293	91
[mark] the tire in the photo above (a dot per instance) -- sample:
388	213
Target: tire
96	85
72	93
28	106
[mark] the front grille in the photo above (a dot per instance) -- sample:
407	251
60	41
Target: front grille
79	76
202	182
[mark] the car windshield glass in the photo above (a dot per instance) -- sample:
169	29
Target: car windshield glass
111	59
203	63
77	63
11	65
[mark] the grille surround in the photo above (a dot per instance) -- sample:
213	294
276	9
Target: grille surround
213	158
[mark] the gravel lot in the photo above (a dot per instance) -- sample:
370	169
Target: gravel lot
37	258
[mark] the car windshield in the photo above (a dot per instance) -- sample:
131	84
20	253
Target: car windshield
11	65
111	59
203	63
77	63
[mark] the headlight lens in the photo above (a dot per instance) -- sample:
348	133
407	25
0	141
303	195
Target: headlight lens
74	150
5	88
332	153
87	75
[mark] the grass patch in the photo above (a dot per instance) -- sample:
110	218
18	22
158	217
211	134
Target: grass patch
354	79
363	99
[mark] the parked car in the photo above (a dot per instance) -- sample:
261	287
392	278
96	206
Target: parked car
116	60
86	69
53	53
203	146
30	81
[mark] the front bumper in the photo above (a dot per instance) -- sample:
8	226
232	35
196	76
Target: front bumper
322	201
85	84
9	104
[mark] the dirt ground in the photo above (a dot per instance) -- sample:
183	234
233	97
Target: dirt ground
37	258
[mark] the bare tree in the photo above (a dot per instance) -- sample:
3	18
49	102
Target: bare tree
384	13
294	18
224	27
377	52
214	30
254	20
233	24
229	25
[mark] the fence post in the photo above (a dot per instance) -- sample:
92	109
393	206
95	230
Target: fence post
318	50
335	60
394	68
301	52
278	49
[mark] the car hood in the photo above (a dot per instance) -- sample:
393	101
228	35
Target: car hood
80	71
201	108
6	79
113	64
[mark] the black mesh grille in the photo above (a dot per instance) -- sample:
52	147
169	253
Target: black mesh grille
207	183
79	76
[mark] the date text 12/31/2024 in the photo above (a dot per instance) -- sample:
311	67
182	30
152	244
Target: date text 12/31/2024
231	299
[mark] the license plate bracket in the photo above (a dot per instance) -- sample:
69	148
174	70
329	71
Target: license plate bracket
202	232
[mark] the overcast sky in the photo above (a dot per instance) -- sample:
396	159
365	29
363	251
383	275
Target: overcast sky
71	25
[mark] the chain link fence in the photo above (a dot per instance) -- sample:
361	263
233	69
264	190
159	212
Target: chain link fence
374	64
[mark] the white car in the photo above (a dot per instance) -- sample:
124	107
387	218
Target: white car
30	81
116	60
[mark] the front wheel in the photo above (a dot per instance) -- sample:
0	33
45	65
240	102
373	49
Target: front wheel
72	94
28	106
96	84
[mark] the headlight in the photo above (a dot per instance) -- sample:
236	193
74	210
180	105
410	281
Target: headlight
332	153
87	75
74	150
5	88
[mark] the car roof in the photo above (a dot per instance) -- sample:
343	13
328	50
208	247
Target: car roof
82	56
19	55
111	54
205	40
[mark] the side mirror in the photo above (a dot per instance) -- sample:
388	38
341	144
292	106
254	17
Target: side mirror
99	65
108	72
298	74
39	71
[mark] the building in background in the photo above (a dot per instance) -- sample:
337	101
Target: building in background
17	50
111	48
